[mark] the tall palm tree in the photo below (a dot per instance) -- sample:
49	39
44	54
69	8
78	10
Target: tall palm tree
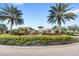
12	14
59	14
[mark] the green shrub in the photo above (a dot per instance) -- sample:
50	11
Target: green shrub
36	40
70	33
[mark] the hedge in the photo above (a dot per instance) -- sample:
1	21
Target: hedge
36	40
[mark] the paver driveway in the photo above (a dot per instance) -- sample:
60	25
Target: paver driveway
66	50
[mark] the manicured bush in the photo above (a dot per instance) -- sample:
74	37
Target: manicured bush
50	33
34	33
70	33
36	40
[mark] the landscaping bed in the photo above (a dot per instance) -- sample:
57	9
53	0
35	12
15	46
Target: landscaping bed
36	40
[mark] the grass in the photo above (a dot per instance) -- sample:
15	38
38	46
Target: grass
7	39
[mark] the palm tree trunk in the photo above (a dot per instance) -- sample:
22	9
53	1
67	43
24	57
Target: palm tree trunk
11	29
59	28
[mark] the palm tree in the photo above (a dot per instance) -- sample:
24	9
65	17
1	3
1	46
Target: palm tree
59	14
12	14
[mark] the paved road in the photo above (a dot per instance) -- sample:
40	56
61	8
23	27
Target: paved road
66	50
62	50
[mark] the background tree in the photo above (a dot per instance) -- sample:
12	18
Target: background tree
54	27
64	30
12	14
74	28
59	14
3	28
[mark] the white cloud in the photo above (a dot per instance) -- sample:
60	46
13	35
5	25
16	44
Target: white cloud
76	11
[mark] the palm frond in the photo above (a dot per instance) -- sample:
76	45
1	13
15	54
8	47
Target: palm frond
11	13
59	13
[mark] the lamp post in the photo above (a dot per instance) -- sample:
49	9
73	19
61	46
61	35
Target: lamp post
40	30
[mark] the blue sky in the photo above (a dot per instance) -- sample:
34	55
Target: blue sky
35	14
